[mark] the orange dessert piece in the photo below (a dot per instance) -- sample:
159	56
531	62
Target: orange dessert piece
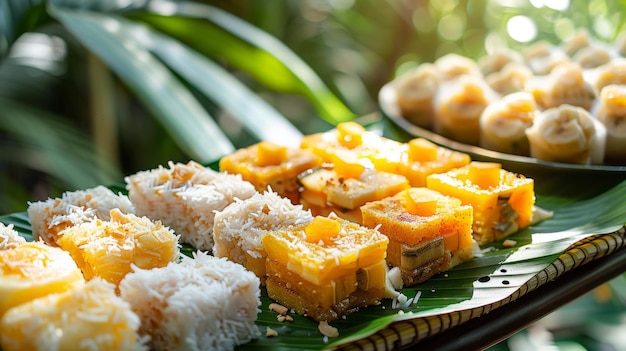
503	201
108	249
327	268
418	159
345	186
428	232
268	164
32	270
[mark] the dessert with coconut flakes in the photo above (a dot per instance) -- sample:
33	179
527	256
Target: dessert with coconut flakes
185	197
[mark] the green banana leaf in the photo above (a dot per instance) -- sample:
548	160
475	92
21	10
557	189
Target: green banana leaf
244	47
580	212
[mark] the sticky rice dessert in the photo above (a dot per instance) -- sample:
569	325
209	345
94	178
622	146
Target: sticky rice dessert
91	317
502	201
239	228
567	134
32	270
428	232
611	112
415	91
9	238
458	107
109	249
326	269
565	85
201	303
418	158
267	164
185	198
49	218
503	124
345	186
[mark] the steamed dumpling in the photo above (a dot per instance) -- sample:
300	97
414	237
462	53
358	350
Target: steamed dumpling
503	124
611	113
458	107
567	134
415	92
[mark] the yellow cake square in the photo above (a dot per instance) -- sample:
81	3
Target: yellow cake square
502	201
268	164
326	268
428	231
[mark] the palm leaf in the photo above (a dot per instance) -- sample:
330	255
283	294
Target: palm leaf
459	292
219	34
154	84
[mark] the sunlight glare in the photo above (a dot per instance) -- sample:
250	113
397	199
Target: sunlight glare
521	28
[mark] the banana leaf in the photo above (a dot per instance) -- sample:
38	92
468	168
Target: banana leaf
585	219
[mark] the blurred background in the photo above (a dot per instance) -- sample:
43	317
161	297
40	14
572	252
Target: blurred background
68	122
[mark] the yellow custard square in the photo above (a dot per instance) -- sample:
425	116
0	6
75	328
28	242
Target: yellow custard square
268	164
326	268
502	201
418	159
326	190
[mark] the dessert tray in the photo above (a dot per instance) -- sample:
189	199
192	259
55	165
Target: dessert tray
588	225
390	109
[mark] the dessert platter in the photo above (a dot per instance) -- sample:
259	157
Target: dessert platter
548	106
351	240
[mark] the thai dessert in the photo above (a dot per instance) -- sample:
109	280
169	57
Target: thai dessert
267	164
512	78
109	249
577	42
34	269
459	105
428	232
49	218
345	185
89	317
564	85
542	57
503	124
240	227
327	268
347	138
498	59
592	57
502	201
9	238
611	112
451	66
185	198
418	158
567	134
613	72
415	92
201	303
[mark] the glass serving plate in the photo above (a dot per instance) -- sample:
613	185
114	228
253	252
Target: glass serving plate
390	109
